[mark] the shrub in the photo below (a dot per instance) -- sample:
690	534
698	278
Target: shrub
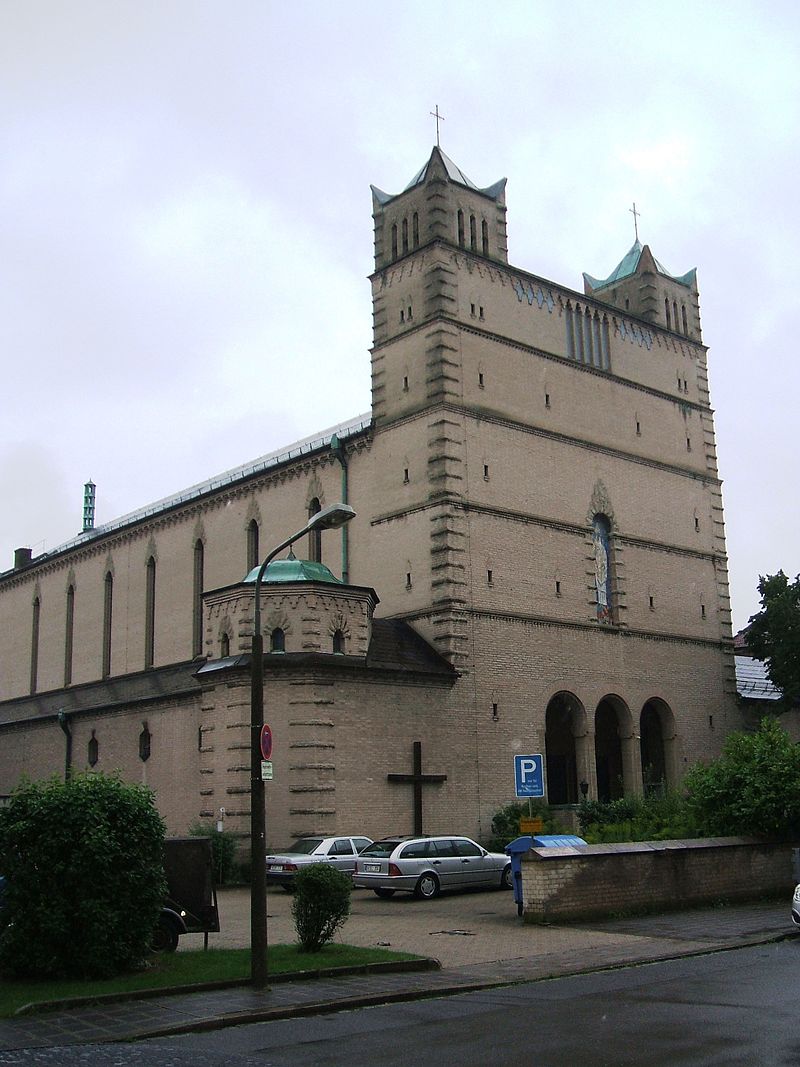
753	788
223	850
505	822
320	905
85	878
653	818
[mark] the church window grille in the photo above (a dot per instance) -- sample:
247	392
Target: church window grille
473	235
197	599
145	737
601	538
35	616
150	613
685	323
224	646
485	237
461	228
69	635
415	229
92	751
338	643
667	315
252	545
277	640
315	537
108	605
405	235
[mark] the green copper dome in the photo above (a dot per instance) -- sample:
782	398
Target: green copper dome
294	570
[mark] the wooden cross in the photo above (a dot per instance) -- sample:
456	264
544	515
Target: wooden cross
636	215
417	779
439	118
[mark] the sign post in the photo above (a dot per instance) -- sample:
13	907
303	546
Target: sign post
529	776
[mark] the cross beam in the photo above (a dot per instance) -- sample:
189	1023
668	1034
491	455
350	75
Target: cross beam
418	780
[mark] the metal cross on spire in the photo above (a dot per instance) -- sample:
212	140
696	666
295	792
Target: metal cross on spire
439	118
636	215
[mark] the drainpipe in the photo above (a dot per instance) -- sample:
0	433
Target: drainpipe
338	452
63	722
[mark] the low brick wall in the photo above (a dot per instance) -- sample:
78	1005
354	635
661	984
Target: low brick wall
604	880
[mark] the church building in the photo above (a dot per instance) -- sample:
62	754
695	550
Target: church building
537	565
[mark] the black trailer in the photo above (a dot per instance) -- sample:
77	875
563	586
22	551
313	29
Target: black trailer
191	904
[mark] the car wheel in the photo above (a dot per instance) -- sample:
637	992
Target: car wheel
427	887
384	894
165	936
506	881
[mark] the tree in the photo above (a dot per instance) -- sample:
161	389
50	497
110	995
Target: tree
83	861
753	788
773	635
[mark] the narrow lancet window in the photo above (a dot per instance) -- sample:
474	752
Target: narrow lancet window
601	538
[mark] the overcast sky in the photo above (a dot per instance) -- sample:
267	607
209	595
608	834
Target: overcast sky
186	220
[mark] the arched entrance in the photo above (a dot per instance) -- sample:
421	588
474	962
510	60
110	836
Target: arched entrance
657	731
608	749
564	712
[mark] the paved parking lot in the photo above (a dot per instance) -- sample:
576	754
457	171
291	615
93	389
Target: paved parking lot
459	929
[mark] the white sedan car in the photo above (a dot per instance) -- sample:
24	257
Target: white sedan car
339	852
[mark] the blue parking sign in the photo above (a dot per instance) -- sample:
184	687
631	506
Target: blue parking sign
529	775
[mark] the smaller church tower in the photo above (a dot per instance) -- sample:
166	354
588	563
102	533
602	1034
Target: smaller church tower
641	286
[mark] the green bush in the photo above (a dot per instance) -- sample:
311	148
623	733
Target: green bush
84	864
752	789
653	818
320	905
223	850
505	822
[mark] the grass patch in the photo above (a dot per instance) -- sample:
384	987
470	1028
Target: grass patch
191	968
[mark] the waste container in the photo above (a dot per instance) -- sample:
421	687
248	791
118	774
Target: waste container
517	848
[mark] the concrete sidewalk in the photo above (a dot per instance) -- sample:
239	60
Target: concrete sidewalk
482	944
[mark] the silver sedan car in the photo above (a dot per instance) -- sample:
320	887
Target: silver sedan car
796	906
425	865
339	852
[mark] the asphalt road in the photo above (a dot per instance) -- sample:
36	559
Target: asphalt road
725	1009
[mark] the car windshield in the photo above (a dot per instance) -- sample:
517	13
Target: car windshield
381	848
307	846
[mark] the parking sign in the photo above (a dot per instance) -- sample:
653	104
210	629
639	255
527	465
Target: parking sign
529	775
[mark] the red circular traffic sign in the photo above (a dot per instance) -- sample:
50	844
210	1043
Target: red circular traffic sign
266	742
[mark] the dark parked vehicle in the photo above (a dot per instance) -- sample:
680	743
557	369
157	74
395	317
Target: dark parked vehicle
425	865
191	904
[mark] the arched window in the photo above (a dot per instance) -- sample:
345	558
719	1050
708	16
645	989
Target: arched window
667	315
108	604
197	599
92	751
473	236
252	545
315	537
461	227
37	604
415	229
394	240
277	640
485	237
338	643
144	743
224	646
150	613
405	236
69	631
601	537
685	323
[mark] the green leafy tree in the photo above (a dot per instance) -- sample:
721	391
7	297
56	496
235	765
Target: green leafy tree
320	905
752	789
773	635
83	861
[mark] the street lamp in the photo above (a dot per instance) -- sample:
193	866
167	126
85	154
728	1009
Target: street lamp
328	519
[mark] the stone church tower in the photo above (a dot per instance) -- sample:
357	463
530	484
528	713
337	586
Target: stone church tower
537	564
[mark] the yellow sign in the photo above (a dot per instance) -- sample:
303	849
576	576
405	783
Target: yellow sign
530	826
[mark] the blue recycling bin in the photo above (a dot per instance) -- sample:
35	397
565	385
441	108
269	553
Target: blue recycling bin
519	846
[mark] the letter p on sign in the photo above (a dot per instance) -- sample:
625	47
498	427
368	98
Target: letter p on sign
529	776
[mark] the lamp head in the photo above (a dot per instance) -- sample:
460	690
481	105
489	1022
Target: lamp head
331	518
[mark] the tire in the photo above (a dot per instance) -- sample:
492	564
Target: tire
427	887
165	936
384	894
506	880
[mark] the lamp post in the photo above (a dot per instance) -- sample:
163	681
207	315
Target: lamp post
330	518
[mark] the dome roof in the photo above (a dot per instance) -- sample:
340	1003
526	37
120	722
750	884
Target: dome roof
294	570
